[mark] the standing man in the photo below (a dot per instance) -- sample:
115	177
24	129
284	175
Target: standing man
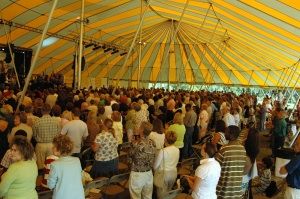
142	156
279	131
293	177
77	130
44	130
227	117
232	158
189	120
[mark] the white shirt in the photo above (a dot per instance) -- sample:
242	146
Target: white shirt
118	127
158	139
237	119
167	159
209	173
203	119
229	120
77	130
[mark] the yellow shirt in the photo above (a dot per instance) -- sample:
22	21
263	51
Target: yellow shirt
19	181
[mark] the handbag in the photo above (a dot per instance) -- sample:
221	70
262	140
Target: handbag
158	179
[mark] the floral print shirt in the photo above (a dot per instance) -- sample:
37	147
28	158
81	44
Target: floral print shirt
108	149
142	155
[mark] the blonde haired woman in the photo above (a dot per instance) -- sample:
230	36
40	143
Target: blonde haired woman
117	126
93	129
203	121
66	117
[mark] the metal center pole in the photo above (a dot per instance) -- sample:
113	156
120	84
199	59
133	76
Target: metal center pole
140	48
172	39
36	54
132	44
12	56
80	44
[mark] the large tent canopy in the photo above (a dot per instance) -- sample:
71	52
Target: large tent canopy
231	42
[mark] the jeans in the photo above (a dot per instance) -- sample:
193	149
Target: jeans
105	168
188	141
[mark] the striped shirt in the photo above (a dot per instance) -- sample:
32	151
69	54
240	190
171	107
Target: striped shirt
232	158
265	181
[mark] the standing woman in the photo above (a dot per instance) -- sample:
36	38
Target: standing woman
165	165
203	121
157	134
106	152
20	179
65	173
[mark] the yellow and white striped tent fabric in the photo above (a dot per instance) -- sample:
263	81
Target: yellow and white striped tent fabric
231	42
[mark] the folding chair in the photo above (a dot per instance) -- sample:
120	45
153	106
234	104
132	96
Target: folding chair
117	186
123	163
124	148
172	194
87	157
186	167
45	194
96	184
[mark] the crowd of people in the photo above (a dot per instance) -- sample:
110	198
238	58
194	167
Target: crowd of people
53	126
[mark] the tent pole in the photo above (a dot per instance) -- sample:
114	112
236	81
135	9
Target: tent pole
250	77
132	43
293	90
36	54
204	79
196	42
294	107
129	76
12	55
75	65
267	77
286	76
280	77
220	54
172	39
171	42
292	71
230	74
287	83
140	48
202	56
291	78
80	44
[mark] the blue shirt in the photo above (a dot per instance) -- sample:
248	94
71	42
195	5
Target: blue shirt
65	178
293	168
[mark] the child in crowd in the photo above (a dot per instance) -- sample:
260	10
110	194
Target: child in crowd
264	175
47	163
